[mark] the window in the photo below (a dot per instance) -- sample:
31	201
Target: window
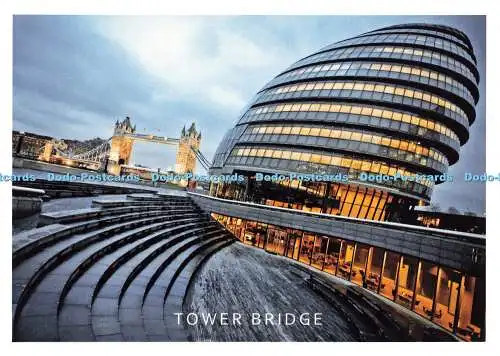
366	111
356	136
304	131
324	107
346	135
314	131
315	158
324	133
277	154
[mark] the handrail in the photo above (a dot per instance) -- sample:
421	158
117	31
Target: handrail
24	191
386	224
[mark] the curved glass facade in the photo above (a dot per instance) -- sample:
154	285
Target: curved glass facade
397	100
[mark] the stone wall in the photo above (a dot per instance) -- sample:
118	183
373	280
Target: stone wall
25	206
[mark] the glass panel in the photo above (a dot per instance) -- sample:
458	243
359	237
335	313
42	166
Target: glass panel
374	268
276	239
318	254
388	286
406	281
358	274
251	236
296	249
346	255
446	299
332	255
306	248
293	236
472	308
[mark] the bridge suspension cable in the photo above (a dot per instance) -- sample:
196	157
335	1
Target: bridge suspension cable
96	154
201	158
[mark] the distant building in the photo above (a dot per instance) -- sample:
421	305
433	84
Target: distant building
449	221
28	145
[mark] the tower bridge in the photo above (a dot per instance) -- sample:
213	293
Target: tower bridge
115	152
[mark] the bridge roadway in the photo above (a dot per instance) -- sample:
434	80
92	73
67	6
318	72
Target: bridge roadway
462	251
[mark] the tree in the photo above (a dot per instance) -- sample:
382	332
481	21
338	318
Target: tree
470	213
453	210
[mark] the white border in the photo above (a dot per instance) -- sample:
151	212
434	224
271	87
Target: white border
302	7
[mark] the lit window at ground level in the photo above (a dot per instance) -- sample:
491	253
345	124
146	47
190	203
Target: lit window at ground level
447	297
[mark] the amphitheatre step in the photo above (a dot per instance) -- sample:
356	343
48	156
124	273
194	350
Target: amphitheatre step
68	216
178	291
121	202
32	241
160	283
159	196
369	320
124	268
52	286
120	247
132	292
106	305
116	264
177	193
147	197
56	189
31	271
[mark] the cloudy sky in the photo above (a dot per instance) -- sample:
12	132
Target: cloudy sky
75	75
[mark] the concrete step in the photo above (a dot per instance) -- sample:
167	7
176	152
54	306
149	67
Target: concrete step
56	274
134	289
71	216
160	283
115	264
31	271
159	197
179	286
121	203
108	301
33	241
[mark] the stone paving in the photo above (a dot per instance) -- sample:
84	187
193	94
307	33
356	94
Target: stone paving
246	280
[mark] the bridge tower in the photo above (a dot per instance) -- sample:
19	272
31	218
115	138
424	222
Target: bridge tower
46	154
186	159
121	146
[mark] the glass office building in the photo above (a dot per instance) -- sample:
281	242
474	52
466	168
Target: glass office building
397	101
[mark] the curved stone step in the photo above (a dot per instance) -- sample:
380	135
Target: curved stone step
121	203
161	282
71	216
158	197
40	265
129	242
33	241
131	299
180	285
62	272
106	305
141	256
71	316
